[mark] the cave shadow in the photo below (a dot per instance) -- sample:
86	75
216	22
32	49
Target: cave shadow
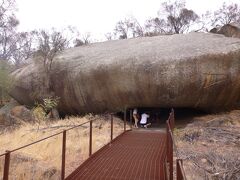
159	116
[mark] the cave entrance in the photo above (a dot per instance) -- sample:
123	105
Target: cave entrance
158	115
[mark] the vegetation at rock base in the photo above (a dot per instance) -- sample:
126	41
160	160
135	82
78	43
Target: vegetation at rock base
41	111
50	103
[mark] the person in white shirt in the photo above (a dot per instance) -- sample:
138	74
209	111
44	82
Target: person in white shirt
143	120
135	116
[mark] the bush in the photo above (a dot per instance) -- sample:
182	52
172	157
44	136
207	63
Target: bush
50	103
41	111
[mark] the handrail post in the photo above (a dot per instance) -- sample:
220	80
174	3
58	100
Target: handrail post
90	139
111	127
167	136
170	120
171	158
173	119
63	154
168	150
6	165
125	118
131	118
179	172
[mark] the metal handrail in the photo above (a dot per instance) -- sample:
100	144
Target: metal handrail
7	153
172	137
172	146
180	170
40	140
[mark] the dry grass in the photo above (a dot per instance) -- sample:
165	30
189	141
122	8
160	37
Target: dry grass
43	160
210	147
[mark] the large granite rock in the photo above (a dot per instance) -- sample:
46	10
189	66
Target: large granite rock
196	70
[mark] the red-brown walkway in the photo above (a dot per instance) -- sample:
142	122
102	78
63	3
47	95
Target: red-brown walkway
135	155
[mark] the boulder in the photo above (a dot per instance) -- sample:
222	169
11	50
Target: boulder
14	113
5	118
229	30
21	113
196	70
53	114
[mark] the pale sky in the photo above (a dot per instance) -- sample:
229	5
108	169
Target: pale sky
95	16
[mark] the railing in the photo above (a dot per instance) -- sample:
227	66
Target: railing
7	154
180	173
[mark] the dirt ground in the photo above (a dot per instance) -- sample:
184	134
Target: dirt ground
210	146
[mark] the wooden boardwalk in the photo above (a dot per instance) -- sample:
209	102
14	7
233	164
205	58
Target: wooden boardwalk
135	155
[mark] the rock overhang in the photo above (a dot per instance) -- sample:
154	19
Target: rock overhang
199	70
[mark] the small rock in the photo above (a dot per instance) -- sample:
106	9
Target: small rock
53	114
203	160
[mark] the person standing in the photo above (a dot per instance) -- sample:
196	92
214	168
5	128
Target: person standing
135	116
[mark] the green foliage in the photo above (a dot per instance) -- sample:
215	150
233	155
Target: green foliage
50	103
41	110
39	113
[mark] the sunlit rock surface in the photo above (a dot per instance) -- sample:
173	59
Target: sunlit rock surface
197	70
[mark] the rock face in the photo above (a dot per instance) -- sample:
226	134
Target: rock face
229	30
21	113
13	113
197	70
5	113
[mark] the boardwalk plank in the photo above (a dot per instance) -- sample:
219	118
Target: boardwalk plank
136	155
